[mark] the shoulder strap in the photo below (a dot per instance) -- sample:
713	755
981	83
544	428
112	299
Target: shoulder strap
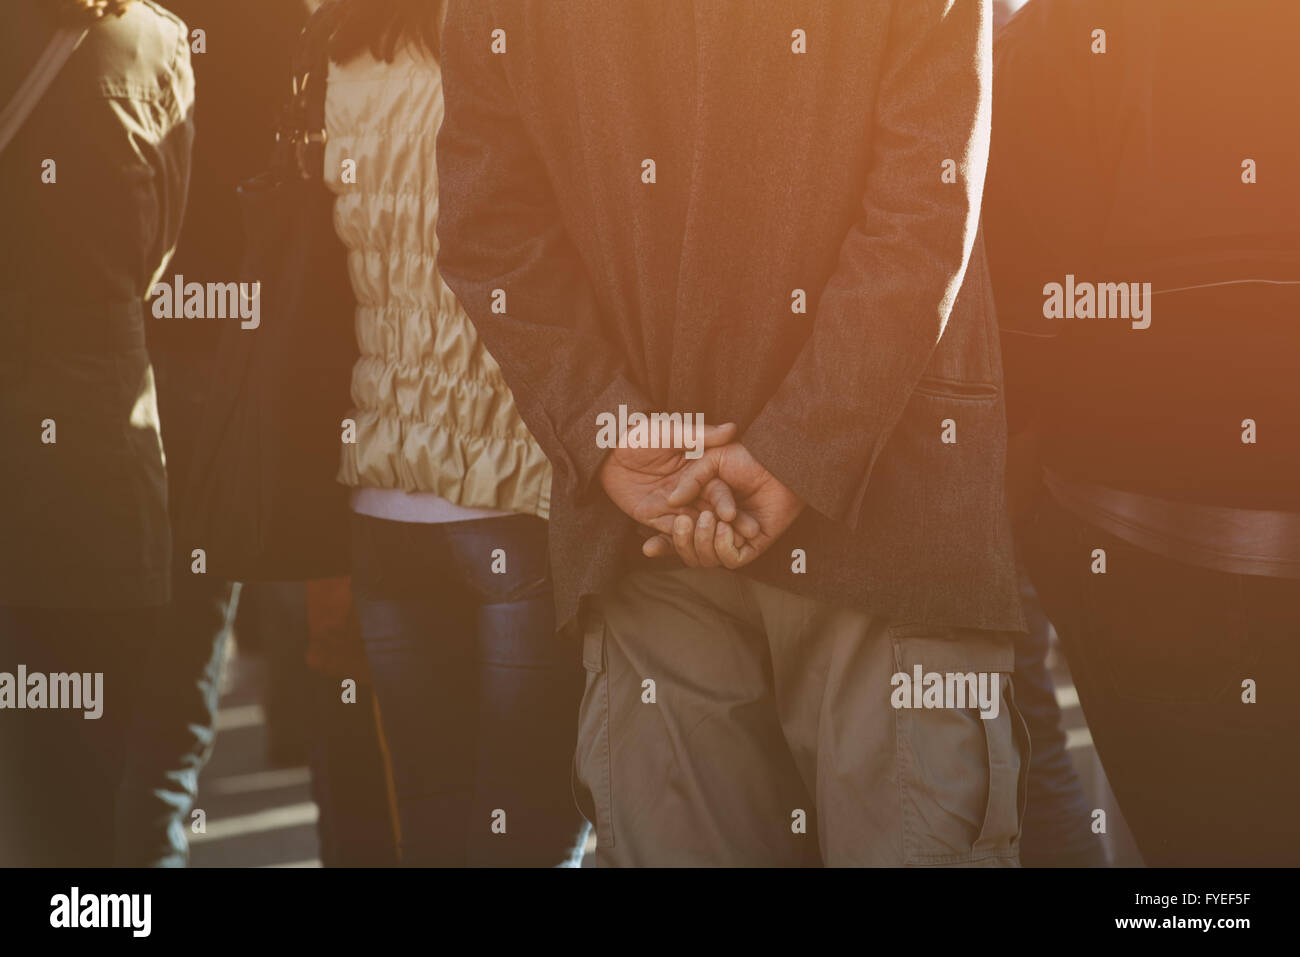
300	136
20	106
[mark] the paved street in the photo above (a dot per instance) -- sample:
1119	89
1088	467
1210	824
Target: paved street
257	815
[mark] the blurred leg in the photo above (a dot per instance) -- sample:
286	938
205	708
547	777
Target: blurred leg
175	727
173	733
349	778
283	623
1058	821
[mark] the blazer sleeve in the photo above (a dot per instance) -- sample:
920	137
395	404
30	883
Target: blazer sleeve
900	267
500	228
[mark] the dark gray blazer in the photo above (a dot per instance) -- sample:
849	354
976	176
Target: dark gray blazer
775	171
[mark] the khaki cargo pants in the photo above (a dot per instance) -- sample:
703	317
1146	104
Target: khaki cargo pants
727	722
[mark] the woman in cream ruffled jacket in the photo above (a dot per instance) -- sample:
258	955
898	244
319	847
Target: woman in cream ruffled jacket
450	491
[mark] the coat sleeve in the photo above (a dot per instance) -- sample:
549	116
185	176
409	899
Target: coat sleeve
171	154
900	267
500	228
1036	159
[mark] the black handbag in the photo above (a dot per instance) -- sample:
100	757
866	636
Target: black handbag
262	501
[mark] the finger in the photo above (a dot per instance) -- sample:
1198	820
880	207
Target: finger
744	554
736	552
748	552
684	541
747	525
694	478
704	535
657	546
718	494
726	545
664	522
719	434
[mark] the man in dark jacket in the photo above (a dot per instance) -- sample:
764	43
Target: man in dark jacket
1162	510
94	189
762	213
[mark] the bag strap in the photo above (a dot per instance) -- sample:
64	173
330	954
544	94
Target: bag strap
300	135
33	87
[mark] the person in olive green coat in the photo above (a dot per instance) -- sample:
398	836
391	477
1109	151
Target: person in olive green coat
93	189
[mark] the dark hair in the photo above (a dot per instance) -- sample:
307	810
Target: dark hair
382	26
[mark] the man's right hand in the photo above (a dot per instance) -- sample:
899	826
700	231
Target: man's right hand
763	509
639	481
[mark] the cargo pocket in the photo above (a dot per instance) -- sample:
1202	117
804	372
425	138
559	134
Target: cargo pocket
590	775
962	777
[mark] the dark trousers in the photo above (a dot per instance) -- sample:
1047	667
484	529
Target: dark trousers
175	729
59	771
175	726
348	778
478	693
1161	654
272	621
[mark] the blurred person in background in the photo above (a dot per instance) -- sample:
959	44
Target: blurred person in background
238	80
94	189
478	694
1158	479
305	632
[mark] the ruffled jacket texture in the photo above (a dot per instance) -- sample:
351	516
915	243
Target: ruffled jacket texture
433	412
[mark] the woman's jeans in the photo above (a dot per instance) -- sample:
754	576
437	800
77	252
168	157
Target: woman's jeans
478	694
